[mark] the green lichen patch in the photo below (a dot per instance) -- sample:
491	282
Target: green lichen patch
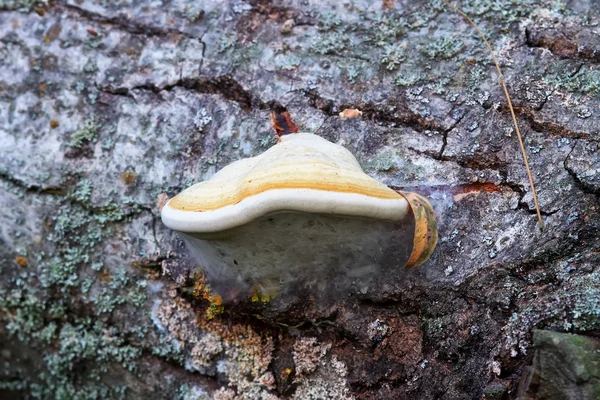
41	306
574	308
408	78
86	134
382	163
226	43
499	15
332	44
87	346
585	80
90	67
334	36
393	56
329	22
388	28
443	48
21	5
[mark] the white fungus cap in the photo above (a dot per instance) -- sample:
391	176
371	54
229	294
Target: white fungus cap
303	172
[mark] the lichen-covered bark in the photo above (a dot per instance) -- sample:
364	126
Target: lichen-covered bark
108	107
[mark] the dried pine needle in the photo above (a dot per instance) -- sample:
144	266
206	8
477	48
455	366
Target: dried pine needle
510	106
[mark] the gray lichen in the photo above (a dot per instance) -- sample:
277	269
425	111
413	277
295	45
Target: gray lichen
77	311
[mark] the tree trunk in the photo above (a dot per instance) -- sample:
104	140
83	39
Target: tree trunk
108	108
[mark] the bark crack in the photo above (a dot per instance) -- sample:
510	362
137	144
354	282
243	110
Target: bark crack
398	114
563	46
126	24
224	85
584	187
549	127
446	132
6	176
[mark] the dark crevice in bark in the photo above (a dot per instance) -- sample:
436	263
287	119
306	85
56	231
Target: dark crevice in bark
556	41
124	23
224	85
476	162
153	262
305	325
446	132
428	153
32	188
401	115
444	144
521	205
462	188
398	114
156	242
549	127
231	89
541	106
584	187
579	67
211	382
480	165
525	207
322	124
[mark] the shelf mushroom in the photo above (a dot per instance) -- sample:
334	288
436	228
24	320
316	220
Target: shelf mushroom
302	211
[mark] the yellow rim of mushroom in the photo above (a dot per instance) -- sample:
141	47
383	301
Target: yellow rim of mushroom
426	234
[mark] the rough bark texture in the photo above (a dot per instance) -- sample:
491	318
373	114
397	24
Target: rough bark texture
106	106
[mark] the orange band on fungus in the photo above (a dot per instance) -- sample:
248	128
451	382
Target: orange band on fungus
298	162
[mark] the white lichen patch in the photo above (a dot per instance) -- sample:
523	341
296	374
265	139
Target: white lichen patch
235	351
178	320
318	375
224	394
307	354
247	358
328	382
202	119
196	393
203	351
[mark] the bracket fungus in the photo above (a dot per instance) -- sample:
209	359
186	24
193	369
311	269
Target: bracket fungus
303	210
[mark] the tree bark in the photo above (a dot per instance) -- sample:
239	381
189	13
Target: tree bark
108	108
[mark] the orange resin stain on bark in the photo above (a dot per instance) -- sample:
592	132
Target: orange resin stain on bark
463	191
